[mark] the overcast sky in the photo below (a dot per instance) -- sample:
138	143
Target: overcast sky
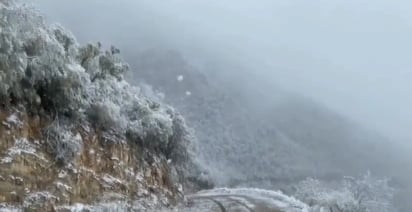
353	55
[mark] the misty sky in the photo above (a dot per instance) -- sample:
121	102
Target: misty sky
353	55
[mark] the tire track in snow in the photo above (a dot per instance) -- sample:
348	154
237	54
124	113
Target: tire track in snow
248	200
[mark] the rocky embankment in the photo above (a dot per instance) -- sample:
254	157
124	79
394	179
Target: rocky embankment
103	170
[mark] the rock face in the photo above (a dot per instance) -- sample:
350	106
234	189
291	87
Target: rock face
103	170
74	135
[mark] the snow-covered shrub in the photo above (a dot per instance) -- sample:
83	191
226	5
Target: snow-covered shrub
64	145
101	117
364	194
35	61
100	65
180	141
157	129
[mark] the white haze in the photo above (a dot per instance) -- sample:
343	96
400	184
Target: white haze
352	55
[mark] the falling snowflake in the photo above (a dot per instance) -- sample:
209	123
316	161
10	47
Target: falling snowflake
180	78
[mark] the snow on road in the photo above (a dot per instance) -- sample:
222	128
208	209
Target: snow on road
242	199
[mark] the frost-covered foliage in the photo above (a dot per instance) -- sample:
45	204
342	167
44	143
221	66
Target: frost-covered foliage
35	64
364	194
64	145
45	68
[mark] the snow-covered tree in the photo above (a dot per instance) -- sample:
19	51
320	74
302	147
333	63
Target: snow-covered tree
363	194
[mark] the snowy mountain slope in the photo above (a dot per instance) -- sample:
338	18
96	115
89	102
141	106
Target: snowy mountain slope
264	143
288	137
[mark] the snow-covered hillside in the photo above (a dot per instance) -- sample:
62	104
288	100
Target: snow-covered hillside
269	140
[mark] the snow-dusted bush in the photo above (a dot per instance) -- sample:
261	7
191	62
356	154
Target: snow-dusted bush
44	68
180	141
35	61
101	116
64	145
364	194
